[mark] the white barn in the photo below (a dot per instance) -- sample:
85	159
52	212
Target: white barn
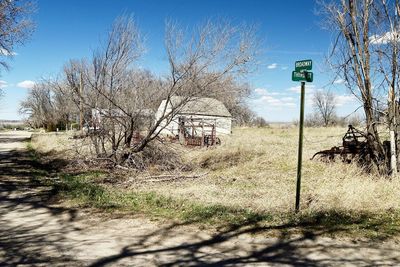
208	109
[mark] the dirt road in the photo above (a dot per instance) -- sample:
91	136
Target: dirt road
34	232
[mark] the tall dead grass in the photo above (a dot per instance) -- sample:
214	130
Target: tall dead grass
255	168
52	142
155	158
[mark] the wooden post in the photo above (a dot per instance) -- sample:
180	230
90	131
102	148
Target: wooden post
397	130
181	131
202	133
392	128
392	95
393	160
81	102
192	137
214	133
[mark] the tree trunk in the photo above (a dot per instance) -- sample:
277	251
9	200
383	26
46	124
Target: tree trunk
376	150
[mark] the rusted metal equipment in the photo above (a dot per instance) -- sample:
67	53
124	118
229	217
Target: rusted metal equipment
354	143
136	138
198	132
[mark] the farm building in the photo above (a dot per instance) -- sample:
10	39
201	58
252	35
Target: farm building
204	111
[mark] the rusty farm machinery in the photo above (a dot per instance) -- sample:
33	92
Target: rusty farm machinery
354	143
198	132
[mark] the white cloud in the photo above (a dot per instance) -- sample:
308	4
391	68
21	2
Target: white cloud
310	88
3	84
273	99
342	100
263	91
260	91
272	66
339	81
27	84
275	93
287	99
283	105
284	68
294	89
4	52
384	38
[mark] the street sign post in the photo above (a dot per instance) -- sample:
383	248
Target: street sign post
301	74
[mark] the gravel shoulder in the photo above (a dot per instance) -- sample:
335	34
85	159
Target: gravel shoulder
35	232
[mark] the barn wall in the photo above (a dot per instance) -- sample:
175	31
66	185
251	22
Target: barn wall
172	128
223	124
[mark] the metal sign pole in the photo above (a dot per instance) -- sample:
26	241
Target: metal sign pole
301	73
300	154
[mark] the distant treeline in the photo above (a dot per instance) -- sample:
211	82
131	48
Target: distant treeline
11	122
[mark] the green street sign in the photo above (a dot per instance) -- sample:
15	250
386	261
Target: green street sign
304	76
303	65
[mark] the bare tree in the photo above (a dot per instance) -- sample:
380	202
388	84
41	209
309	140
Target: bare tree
387	42
201	60
354	59
119	101
324	103
233	94
40	107
15	26
115	97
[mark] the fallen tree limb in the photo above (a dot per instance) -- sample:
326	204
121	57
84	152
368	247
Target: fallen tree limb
169	177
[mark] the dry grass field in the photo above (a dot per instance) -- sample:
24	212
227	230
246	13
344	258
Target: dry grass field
255	170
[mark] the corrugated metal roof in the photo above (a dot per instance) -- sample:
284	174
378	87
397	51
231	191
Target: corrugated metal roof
201	106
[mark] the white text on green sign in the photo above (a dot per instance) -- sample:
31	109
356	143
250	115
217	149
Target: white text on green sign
303	76
303	65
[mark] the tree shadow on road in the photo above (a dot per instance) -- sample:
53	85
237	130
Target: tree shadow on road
12	139
230	248
31	229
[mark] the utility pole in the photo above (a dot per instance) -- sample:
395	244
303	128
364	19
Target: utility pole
392	128
392	99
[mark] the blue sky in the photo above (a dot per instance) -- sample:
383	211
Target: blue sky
72	29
